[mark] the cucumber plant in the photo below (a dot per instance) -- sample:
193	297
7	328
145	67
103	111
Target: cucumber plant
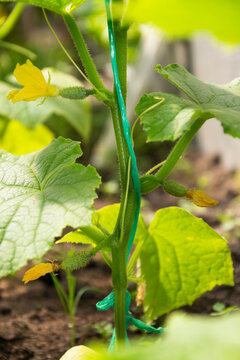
42	192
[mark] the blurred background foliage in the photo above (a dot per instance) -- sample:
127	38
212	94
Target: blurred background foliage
26	127
87	120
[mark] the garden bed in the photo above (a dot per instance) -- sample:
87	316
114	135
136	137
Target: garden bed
32	322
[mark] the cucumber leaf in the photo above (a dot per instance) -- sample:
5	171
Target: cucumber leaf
20	140
103	224
41	193
106	219
188	337
181	18
181	259
174	114
58	6
84	235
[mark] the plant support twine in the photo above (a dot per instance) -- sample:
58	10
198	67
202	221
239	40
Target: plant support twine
108	302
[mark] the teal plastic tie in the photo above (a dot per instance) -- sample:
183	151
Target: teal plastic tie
108	301
126	127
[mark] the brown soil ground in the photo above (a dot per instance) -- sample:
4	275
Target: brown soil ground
32	322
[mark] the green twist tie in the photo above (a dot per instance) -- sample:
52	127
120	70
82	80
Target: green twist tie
126	127
108	302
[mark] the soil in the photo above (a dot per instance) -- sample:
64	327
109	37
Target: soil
33	324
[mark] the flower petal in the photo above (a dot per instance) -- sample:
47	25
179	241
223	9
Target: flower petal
199	198
28	93
35	85
38	271
28	74
12	94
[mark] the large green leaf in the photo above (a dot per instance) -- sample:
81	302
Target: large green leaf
20	140
41	193
76	112
181	259
204	336
174	115
169	119
59	6
180	18
84	235
103	223
106	218
188	337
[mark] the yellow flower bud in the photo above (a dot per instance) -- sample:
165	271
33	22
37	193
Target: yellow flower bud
39	270
200	199
79	353
34	84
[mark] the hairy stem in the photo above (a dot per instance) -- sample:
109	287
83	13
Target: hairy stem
18	49
119	278
127	209
83	52
178	149
174	156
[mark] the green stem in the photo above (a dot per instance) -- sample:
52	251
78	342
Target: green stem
174	156
134	257
71	280
61	293
122	148
83	52
120	36
119	249
155	167
11	20
18	49
73	332
94	234
119	278
125	200
178	149
119	268
107	258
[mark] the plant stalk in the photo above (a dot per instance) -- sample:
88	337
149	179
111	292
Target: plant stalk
73	331
83	53
119	250
11	20
175	155
119	279
178	149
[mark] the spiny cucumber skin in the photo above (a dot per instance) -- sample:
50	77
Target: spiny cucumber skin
76	93
173	188
77	261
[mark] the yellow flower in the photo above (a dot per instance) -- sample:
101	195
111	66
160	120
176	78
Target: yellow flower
34	84
200	199
39	270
